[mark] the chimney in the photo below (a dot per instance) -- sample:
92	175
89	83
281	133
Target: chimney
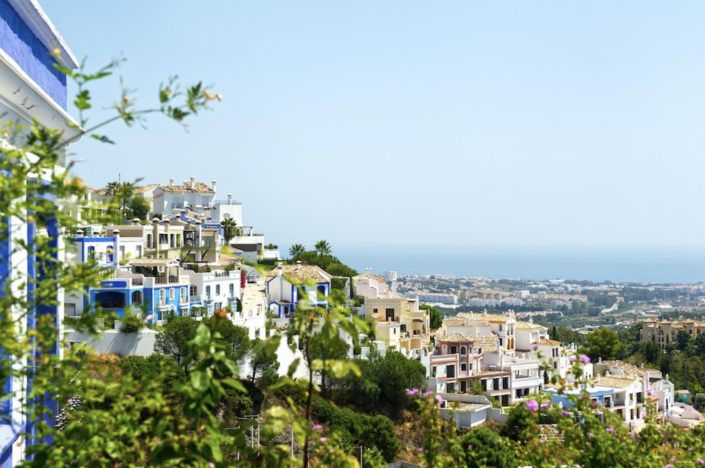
193	181
136	222
79	233
186	183
279	268
167	223
298	264
213	185
230	199
171	182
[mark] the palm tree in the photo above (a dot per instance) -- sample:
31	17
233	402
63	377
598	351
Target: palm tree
296	250
112	189
126	192
229	229
323	248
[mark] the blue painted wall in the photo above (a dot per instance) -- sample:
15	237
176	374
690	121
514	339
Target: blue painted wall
20	43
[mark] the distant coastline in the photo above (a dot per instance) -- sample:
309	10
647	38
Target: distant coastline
638	265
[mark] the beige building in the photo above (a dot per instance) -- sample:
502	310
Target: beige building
665	332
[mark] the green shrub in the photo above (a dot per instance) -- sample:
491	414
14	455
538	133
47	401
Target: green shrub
484	447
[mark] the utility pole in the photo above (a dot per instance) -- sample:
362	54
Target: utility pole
361	447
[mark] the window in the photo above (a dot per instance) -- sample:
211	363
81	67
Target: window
450	371
149	241
208	292
500	327
500	341
193	290
162	296
172	294
184	297
322	290
453	350
395	330
163	239
91	252
463	367
137	297
462	350
217	290
450	388
231	290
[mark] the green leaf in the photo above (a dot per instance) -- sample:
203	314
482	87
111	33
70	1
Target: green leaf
199	380
203	336
102	138
236	384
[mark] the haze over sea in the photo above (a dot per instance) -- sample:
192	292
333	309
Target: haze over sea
637	265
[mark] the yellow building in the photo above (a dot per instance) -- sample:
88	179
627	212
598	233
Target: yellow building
665	332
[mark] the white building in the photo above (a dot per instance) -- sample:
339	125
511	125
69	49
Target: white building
193	195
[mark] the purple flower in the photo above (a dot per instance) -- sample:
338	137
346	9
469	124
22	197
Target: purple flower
496	441
700	461
469	446
590	434
428	394
610	430
542	441
535	346
565	413
128	396
531	405
413	392
317	427
571	359
648	391
672	460
439	399
643	414
690	449
211	465
582	451
546	405
631	434
670	465
420	449
158	440
323	439
584	359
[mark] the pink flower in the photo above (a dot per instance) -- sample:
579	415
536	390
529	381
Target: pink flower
542	441
420	449
413	392
535	346
631	434
323	439
211	465
648	391
590	434
128	396
469	446
317	427
428	394
584	359
571	359
439	399
546	405
610	430
531	405
565	413
670	465
673	459
496	441
700	461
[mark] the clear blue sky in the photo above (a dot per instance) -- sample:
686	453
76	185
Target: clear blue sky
532	123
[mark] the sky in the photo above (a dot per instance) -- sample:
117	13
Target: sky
409	123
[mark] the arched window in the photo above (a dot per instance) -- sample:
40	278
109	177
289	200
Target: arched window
137	297
109	254
184	297
217	290
162	296
149	241
322	290
462	350
91	252
172	294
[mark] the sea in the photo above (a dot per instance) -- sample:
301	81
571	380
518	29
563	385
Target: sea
620	265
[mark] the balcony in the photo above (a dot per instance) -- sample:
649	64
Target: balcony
222	274
166	280
195	298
